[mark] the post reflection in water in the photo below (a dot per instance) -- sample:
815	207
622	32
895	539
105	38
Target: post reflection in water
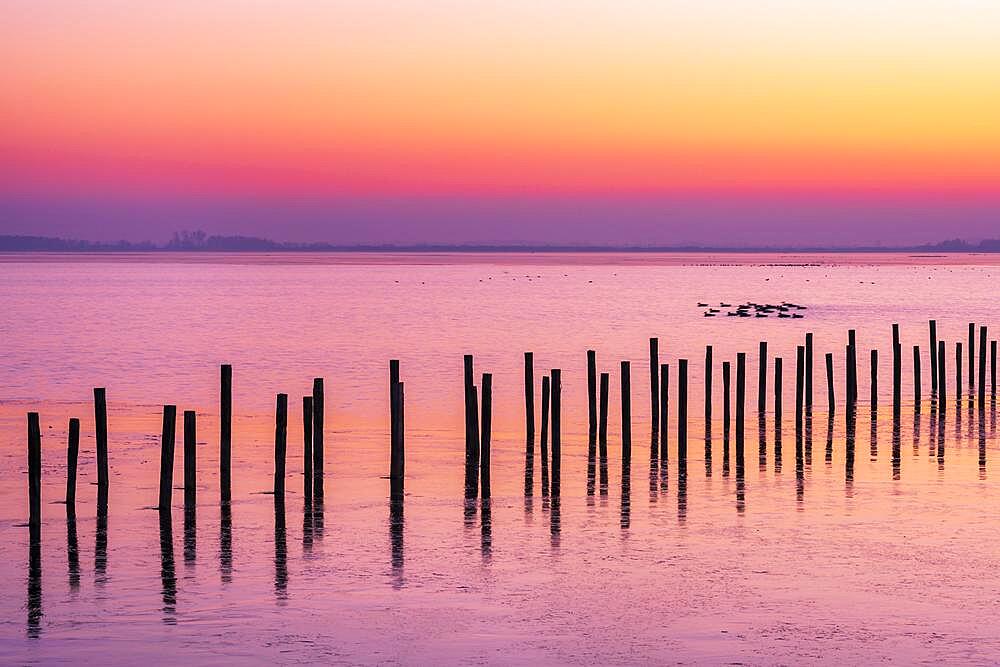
916	430
940	440
280	551
555	521
809	437
101	538
762	442
190	536
168	573
626	506
681	491
873	453
396	525
896	454
486	530
829	440
654	481
592	464
850	425
529	469
34	626
982	442
72	550
799	467
226	543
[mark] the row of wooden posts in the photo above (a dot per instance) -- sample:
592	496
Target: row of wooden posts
478	416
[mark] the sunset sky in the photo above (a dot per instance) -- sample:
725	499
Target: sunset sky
635	121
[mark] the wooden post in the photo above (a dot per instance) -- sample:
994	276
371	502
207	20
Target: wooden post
72	454
101	432
34	473
897	379
592	391
708	386
226	433
777	391
762	378
529	401
307	454
916	376
958	371
726	401
993	368
831	401
972	355
626	389
486	431
664	408
852	360
556	429
654	383
874	378
317	438
603	431
809	372
471	424
941	378
934	354
167	457
190	460
280	443
800	375
741	363
397	453
682	398
982	365
544	442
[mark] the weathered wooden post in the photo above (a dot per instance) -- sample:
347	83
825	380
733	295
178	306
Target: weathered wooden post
993	367
664	408
190	461
726	402
874	378
592	392
762	378
708	388
34	474
72	454
982	365
167	457
932	324
741	359
280	443
396	438
626	389
654	383
916	377
682	397
485	434
529	402
556	429
831	401
852	359
317	438
809	372
602	437
226	433
101	433
800	374
897	380
958	371
544	441
777	393
307	454
972	356
941	379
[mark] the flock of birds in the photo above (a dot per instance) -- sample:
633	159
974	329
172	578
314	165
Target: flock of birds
784	310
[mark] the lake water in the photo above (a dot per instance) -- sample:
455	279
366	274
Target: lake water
816	556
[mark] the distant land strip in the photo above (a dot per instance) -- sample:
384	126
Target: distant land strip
202	242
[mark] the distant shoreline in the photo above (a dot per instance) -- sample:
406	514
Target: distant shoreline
200	243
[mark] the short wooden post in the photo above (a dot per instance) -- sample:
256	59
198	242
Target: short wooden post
654	383
167	457
873	382
317	438
682	398
529	400
942	393
225	433
72	454
852	360
958	371
190	460
777	391
916	376
280	443
307	454
809	372
34	473
932	325
972	355
602	437
544	442
397	441
993	367
592	391
556	429
741	363
471	425
626	389
831	401
800	374
982	365
762	377
664	408
101	433
726	400
485	434
708	386
897	379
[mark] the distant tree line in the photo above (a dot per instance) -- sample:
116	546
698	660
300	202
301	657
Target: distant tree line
199	241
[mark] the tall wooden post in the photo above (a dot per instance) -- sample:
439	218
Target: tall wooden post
101	432
654	383
226	433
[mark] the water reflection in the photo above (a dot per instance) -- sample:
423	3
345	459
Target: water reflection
168	574
486	530
396	525
555	521
280	551
101	539
828	455
982	441
190	536
226	543
896	454
592	463
850	425
762	441
529	466
681	491
626	506
34	627
809	437
873	453
72	550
